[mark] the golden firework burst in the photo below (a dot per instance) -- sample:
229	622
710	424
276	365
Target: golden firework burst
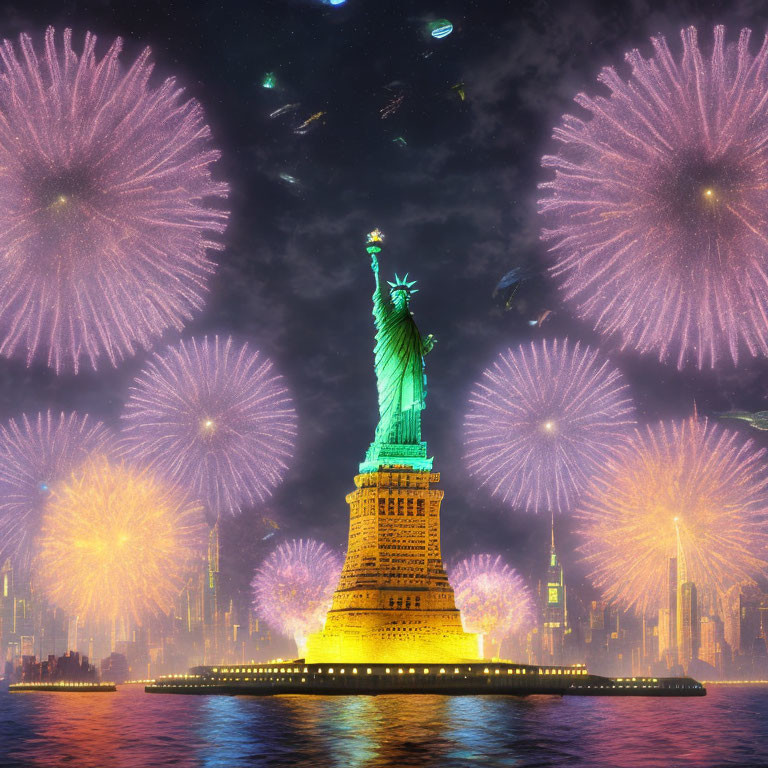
116	541
689	490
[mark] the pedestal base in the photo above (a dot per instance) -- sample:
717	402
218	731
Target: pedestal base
381	455
394	643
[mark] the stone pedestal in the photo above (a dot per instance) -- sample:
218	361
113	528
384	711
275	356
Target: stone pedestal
394	603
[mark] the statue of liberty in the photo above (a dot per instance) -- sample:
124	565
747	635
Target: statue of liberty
399	362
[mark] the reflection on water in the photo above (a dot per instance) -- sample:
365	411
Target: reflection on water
131	729
90	726
367	731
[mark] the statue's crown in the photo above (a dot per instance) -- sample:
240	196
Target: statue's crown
402	284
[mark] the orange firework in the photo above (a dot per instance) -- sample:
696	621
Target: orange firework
688	490
116	542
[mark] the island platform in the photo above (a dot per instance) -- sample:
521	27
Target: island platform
477	678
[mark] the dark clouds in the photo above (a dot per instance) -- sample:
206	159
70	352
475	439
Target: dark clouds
457	204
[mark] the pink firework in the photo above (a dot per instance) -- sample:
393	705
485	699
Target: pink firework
657	214
105	203
492	597
293	588
542	420
36	453
215	418
688	490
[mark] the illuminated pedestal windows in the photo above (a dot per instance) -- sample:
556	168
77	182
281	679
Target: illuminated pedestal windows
393	603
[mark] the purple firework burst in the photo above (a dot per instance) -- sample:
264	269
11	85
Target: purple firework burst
35	453
293	588
214	417
542	420
657	212
492	597
105	203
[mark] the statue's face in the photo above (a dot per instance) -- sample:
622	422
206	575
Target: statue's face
400	297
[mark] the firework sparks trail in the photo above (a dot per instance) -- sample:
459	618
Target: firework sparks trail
309	123
693	477
293	588
542	420
36	452
215	418
105	204
392	106
116	543
492	598
284	110
657	212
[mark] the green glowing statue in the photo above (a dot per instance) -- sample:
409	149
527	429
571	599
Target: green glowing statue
401	382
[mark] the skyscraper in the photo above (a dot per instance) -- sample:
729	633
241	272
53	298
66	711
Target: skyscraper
7	608
712	648
72	638
555	613
687	613
668	618
753	631
665	635
753	617
687	624
17	614
210	599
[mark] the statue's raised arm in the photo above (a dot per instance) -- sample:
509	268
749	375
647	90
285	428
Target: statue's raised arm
381	298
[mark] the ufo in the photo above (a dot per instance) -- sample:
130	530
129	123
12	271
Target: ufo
440	28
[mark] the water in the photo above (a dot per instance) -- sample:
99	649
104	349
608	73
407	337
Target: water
131	729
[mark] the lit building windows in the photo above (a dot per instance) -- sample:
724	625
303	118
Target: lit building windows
553	595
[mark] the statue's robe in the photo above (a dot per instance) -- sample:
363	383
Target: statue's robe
399	360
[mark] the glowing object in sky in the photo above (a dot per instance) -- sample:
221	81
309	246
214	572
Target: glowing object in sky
707	481
293	588
269	81
308	124
542	420
757	420
105	214
285	109
116	542
657	213
36	452
213	416
440	29
492	598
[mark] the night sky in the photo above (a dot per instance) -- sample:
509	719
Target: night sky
457	205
